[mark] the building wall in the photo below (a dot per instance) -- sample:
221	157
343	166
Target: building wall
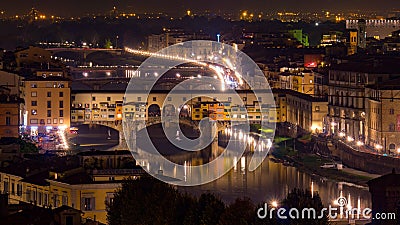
12	82
375	27
32	55
383	119
95	106
306	112
348	109
9	119
38	95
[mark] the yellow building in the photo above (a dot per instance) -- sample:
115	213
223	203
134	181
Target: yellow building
47	103
9	115
306	111
353	42
58	184
382	117
281	106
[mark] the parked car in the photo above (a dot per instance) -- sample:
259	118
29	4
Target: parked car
328	166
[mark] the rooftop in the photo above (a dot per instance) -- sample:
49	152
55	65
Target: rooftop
300	95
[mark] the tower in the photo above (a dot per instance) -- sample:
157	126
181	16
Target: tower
362	34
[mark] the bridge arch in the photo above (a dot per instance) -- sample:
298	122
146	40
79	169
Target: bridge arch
169	110
154	110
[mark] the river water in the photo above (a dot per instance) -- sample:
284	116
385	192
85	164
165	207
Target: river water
272	181
269	182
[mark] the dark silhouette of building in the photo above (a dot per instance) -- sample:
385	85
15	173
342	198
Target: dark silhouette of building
385	192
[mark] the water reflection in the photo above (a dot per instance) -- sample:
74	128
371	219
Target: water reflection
272	181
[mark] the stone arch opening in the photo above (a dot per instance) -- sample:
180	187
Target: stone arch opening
154	111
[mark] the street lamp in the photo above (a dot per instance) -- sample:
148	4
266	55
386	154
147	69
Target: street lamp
350	139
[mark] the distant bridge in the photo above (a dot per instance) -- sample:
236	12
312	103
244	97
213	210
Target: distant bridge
84	52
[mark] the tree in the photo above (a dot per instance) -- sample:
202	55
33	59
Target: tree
146	201
303	199
241	212
210	208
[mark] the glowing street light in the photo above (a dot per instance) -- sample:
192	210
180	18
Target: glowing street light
359	143
274	204
350	139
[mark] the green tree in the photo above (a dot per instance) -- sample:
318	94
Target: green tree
108	44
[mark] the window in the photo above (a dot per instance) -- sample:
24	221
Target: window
61	113
55	121
139	99
184	99
317	109
93	98
88	204
13	188
46	199
229	99
244	98
48	104
61	104
34	121
392	127
61	121
391	111
62	94
33	94
40	198
33	112
48	121
55	200
33	85
154	99
49	94
169	99
8	120
34	103
64	199
108	99
5	186
19	189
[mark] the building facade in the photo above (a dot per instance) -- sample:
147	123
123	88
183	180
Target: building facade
10	116
353	109
47	103
306	111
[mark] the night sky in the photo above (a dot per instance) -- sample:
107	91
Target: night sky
81	7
